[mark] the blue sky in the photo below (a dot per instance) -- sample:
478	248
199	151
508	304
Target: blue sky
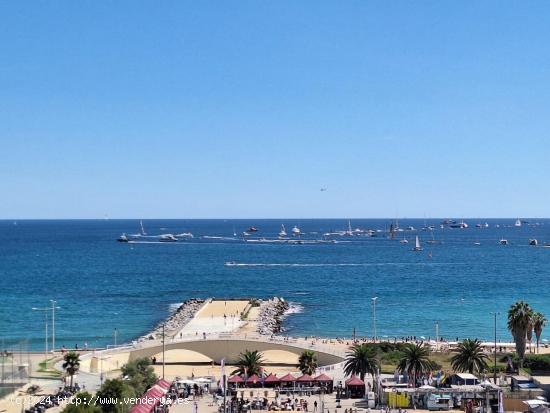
246	109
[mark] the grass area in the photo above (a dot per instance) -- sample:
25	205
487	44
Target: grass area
47	367
390	359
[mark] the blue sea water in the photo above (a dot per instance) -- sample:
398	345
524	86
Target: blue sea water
101	284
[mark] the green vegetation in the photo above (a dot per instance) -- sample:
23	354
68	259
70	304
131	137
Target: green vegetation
416	360
470	357
46	367
520	325
84	405
138	376
71	364
362	359
249	363
307	362
115	389
539	322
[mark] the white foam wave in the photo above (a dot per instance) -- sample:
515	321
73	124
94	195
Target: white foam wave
174	307
293	308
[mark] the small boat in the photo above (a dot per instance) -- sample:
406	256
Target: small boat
433	240
547	245
185	235
123	238
533	242
503	241
296	231
477	243
486	225
478	225
230	263
404	241
167	238
246	234
141	229
410	228
234	231
282	232
517	223
252	229
417	246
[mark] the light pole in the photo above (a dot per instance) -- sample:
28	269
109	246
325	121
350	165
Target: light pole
374	317
436	335
54	307
495	353
115	334
163	348
46	310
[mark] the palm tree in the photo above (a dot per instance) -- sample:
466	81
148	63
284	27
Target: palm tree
71	364
539	321
415	360
361	359
519	321
249	362
307	362
470	357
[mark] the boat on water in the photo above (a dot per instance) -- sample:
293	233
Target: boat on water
459	225
534	242
282	232
503	241
546	245
296	231
185	235
252	229
167	238
477	243
517	223
141	228
123	238
417	246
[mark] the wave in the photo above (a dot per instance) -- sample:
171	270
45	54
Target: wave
239	264
293	308
174	307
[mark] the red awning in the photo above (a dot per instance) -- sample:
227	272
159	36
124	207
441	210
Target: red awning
322	377
305	378
253	379
235	379
164	384
354	381
288	377
151	398
272	378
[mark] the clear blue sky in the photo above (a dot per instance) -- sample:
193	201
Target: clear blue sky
246	109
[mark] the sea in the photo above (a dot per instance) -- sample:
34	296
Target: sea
102	286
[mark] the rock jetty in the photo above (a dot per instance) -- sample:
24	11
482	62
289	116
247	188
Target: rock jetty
270	315
176	321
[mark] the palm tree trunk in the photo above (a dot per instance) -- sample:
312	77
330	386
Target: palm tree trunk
71	381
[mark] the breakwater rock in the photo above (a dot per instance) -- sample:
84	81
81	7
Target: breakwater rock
270	315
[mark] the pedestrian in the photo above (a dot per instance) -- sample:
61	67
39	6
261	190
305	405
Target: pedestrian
315	406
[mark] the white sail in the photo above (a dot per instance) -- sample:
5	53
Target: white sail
142	229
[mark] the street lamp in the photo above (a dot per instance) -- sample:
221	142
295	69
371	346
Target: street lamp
495	358
374	317
54	307
46	310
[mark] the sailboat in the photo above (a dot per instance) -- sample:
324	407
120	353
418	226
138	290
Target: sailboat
296	231
282	232
517	223
142	230
234	231
404	240
349	231
417	246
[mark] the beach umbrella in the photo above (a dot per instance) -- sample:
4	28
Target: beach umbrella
322	378
288	378
305	378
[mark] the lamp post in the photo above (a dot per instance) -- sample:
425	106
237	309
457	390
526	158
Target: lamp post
374	317
54	307
436	335
495	352
115	332
46	310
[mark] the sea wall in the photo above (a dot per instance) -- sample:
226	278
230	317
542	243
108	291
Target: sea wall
176	321
270	315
